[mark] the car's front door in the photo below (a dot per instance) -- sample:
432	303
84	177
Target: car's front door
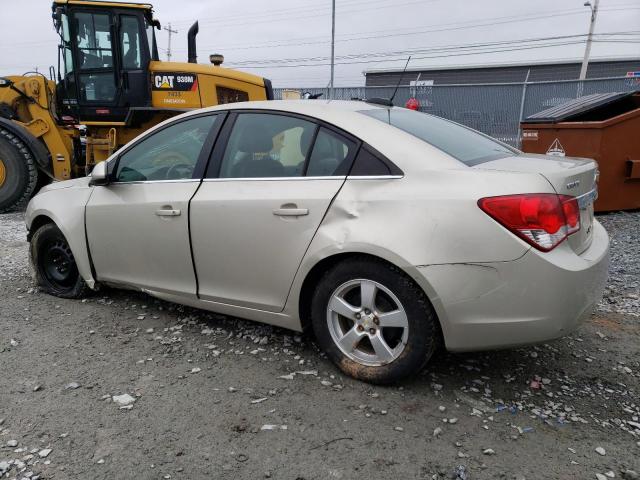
262	201
138	225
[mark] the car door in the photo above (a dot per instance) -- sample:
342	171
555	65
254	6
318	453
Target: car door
267	189
138	224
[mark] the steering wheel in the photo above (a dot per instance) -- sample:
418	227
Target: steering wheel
179	171
165	159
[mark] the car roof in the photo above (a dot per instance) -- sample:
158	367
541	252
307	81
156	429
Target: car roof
302	105
327	110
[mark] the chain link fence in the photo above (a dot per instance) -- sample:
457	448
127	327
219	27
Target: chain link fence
494	109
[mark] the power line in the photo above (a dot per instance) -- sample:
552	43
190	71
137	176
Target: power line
256	20
440	48
294	12
377	33
449	27
499	50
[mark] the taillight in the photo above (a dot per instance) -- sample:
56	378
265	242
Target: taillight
542	219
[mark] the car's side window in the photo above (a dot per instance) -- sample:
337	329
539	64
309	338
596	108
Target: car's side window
169	154
369	163
267	145
332	155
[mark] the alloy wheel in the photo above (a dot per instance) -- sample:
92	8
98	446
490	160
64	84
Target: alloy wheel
367	322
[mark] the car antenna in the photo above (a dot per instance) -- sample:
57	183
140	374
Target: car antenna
388	102
400	80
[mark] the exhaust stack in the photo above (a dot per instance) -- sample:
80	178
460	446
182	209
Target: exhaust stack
191	43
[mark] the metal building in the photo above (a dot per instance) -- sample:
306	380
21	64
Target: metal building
503	73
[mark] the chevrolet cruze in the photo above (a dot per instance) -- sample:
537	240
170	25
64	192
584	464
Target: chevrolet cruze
385	231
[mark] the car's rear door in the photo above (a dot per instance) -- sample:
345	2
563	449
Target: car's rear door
138	225
270	180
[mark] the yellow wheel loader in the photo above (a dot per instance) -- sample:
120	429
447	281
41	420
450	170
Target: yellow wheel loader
109	87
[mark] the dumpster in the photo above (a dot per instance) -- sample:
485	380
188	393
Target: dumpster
603	126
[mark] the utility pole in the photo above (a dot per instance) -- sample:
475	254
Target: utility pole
587	50
333	45
168	29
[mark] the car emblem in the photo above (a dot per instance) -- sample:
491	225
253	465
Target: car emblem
574	184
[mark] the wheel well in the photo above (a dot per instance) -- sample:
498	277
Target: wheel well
38	222
314	275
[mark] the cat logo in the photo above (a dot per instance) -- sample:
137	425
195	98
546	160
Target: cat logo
181	82
163	81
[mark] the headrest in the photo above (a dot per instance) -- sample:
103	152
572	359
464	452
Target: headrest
254	138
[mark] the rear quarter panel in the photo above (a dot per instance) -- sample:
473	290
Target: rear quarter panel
425	218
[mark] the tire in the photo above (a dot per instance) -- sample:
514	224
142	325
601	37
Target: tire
408	347
18	172
55	268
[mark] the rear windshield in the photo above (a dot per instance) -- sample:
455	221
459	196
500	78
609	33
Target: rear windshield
462	143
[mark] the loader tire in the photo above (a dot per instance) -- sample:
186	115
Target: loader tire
18	172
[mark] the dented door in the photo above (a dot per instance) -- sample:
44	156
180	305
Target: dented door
249	236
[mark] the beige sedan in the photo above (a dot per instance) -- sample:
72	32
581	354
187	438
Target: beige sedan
384	231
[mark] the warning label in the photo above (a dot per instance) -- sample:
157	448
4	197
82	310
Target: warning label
556	149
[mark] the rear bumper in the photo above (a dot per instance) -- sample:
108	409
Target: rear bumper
539	297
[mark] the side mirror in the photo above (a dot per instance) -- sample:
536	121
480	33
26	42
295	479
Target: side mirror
99	175
5	82
57	17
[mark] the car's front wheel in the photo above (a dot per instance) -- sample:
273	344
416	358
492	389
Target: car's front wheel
373	321
55	267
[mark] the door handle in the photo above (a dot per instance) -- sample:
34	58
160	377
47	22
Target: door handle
291	212
168	212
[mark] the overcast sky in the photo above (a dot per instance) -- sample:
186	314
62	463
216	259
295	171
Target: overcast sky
289	41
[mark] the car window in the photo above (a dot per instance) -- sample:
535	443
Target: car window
462	143
331	155
368	164
267	145
169	154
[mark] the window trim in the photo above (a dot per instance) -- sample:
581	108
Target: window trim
204	154
212	170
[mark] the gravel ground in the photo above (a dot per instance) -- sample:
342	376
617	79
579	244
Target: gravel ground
121	385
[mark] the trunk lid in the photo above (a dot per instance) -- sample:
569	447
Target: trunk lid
575	177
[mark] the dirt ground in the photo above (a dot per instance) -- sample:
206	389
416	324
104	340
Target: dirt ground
215	398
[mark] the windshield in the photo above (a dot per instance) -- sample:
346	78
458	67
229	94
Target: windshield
462	143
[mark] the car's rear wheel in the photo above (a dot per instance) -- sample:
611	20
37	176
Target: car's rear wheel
373	321
54	264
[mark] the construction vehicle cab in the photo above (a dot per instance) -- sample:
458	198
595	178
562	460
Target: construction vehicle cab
104	57
109	86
